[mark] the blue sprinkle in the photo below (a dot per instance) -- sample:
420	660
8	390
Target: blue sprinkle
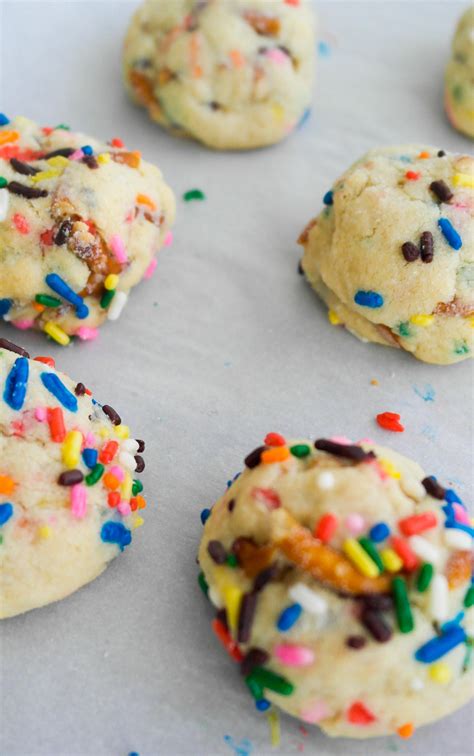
450	233
328	198
58	285
304	118
455	525
288	617
452	623
405	159
440	645
16	384
5	305
133	753
116	532
6	511
204	515
452	497
380	532
3	119
90	457
57	388
87	149
324	50
262	704
229	482
368	299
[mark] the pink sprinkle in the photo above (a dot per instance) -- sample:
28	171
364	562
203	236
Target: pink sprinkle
355	523
315	713
341	440
294	656
168	240
151	269
117	472
23	325
267	496
378	468
77	155
41	414
78	501
277	56
124	508
87	334
21	224
460	514
90	440
118	248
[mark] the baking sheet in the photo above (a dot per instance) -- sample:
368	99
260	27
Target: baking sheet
225	343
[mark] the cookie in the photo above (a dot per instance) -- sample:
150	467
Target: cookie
232	74
459	79
69	496
80	223
341	576
392	251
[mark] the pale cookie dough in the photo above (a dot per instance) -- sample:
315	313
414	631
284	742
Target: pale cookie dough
69	497
80	223
233	74
392	253
342	581
459	88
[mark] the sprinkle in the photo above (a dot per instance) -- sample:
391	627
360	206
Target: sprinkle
390	421
87	334
412	175
370	549
57	284
274	439
424	549
47	301
463	179
117	306
256	657
433	488
440	673
70	478
44	532
7	484
450	233
359	714
440	645
89	457
108	452
300	450
21	224
274	724
370	299
379	532
422	320
113	416
56	333
253	459
347	451
107	298
71	449
11	347
118	249
360	558
95	474
406	731
111	281
334	318
469	597
374	622
151	269
326	527
194	194
232	599
426	247
457	539
238	59
402	605
140	463
268	679
6	511
425	576
410	251
29	192
424	154
355	523
292	655
289	617
275	454
391	560
402	547
248	606
56	424
78	501
328	198
418	523
217	552
4	120
267	496
57	388
439	598
441	190
115	532
103	158
308	599
16	384
44	176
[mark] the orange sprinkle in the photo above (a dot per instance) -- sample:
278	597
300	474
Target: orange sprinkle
237	58
45	360
38	307
194	54
374	382
7	484
275	454
143	199
412	175
9	136
423	155
113	499
140	501
110	481
406	730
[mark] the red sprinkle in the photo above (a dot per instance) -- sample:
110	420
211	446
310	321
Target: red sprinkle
360	714
408	557
113	499
108	452
412	175
326	527
267	496
418	523
226	639
21	224
116	142
46	361
274	439
46	237
390	421
56	424
47	130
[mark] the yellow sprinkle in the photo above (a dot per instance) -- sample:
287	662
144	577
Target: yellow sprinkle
422	320
232	599
122	431
71	449
58	161
463	179
471	320
360	558
333	318
278	111
44	176
391	560
389	468
440	673
374	382
56	333
274	724
104	432
44	531
126	487
111	281
103	158
137	522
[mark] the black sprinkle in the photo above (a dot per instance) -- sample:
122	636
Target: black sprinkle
285	50
141	445
433	488
217	552
376	625
410	251
381	602
80	389
246	616
63	233
140	463
5	344
300	268
113	416
347	451
231	505
355	641
23	168
90	161
441	153
256	657
70	478
264	577
441	190
253	459
62	152
26	191
427	246
214	105
221	615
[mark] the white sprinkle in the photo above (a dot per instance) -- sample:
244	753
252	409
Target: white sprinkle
417	684
326	481
4	202
117	305
457	539
439	598
215	598
309	599
424	549
127	460
130	445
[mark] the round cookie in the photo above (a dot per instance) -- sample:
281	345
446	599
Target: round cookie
392	253
459	85
68	494
80	223
342	581
233	74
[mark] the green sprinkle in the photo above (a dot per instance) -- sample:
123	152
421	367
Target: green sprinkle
137	487
254	687
194	194
300	450
47	301
369	547
457	92
424	577
202	582
107	297
404	329
469	597
1	540
3	182
95	474
62	126
461	347
231	560
268	679
402	605
468	655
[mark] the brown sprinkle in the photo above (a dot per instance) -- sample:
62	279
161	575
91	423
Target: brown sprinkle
441	190
410	251
427	246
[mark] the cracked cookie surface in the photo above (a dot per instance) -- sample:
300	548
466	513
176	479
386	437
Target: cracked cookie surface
459	79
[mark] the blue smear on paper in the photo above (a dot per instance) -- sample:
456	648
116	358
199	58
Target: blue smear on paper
429	432
324	49
244	748
427	393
